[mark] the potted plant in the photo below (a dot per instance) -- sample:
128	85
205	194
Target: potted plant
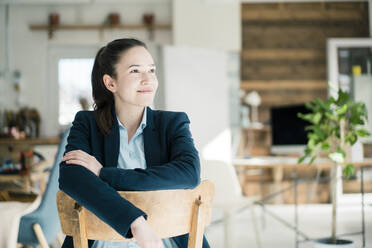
335	125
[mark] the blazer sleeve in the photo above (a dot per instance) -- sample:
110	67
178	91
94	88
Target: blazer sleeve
181	172
89	190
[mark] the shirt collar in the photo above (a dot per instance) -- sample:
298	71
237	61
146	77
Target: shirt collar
142	124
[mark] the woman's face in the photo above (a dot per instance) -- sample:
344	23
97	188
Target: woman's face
136	81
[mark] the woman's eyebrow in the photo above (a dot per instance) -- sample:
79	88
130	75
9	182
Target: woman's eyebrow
133	66
153	65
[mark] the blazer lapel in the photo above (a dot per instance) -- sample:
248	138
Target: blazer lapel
112	143
150	139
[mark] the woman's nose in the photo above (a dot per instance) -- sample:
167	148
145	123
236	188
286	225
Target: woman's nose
146	78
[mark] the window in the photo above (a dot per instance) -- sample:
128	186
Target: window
75	90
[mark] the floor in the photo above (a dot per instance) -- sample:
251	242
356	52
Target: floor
314	221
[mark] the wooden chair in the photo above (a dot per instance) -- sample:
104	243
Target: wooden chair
170	213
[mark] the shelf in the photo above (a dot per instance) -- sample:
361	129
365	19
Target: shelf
52	28
97	27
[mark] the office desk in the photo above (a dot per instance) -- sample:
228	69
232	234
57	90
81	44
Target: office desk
279	163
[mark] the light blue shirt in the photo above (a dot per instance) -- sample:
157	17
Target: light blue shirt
131	156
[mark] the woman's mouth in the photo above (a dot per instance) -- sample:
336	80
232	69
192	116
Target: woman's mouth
144	91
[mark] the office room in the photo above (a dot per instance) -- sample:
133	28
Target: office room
185	123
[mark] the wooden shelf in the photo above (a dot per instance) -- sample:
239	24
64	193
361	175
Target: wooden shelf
97	27
52	28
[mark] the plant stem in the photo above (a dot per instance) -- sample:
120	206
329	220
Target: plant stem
334	202
334	182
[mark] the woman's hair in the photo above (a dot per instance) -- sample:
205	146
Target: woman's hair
105	63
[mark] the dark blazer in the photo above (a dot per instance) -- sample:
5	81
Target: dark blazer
171	158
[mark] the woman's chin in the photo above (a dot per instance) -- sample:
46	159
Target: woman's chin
145	103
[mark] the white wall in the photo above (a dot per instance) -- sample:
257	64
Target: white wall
196	81
207	23
30	51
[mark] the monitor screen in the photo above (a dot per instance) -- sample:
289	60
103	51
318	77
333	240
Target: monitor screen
287	128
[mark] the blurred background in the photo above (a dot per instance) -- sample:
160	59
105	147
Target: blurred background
241	70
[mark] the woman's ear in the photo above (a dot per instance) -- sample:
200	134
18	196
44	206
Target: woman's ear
109	83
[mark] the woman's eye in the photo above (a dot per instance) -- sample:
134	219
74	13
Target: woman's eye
152	70
134	71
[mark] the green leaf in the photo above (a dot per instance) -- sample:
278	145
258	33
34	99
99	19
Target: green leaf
317	118
342	110
349	170
306	117
340	150
321	104
300	160
362	132
325	146
343	98
311	143
312	159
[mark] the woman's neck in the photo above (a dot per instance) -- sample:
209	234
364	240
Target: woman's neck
130	116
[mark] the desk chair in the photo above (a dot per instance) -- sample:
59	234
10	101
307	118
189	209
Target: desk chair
42	225
229	197
170	213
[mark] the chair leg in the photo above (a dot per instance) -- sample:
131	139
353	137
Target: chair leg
197	226
255	226
78	228
40	236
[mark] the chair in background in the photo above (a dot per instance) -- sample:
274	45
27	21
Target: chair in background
170	213
41	227
229	197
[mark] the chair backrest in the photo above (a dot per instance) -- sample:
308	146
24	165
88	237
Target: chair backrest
170	213
224	178
46	214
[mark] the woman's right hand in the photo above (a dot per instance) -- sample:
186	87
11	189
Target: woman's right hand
144	235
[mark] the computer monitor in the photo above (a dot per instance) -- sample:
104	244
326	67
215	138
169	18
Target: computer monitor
288	130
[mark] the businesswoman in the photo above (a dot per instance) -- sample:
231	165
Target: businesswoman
125	145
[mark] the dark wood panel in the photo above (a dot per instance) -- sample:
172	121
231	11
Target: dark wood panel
284	44
321	14
283	54
300	32
307	5
262	85
284	71
284	62
306	23
286	97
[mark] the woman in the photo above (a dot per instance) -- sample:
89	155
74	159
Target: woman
125	145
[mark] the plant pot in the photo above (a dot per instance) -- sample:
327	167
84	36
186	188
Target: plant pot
327	243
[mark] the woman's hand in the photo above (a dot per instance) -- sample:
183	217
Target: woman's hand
144	235
82	158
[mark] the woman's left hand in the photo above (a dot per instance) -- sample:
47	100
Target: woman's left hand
79	157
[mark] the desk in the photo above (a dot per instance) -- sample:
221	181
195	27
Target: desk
11	149
278	163
28	142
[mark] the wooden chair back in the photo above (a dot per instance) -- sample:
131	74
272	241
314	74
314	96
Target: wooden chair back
170	213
